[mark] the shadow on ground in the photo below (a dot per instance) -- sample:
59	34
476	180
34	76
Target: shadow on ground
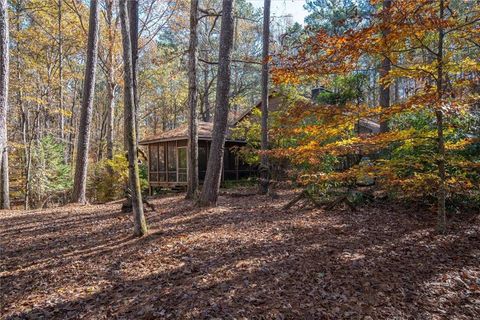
246	258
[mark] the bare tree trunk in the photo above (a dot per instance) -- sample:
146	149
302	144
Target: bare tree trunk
4	74
133	18
28	164
71	135
60	75
264	166
101	131
192	186
83	141
140	225
234	88
111	85
206	83
442	219
206	97
211	184
384	94
23	112
110	121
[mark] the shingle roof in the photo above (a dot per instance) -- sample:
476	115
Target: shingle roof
370	124
205	130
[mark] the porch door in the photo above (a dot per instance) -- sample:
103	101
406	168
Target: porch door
182	164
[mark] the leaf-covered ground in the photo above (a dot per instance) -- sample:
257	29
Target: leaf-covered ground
245	259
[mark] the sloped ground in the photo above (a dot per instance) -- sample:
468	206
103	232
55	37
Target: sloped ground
245	259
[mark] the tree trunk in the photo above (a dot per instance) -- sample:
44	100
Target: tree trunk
192	186
442	220
111	85
80	181
206	83
4	74
264	167
211	184
71	122
101	131
60	76
24	118
110	120
133	18
140	225
384	93
206	96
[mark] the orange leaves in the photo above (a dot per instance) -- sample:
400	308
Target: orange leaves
407	27
321	54
317	137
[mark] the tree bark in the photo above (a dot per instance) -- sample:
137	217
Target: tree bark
442	219
72	121
4	74
110	120
206	96
206	82
384	93
264	166
192	186
211	184
60	76
140	225
111	85
133	18
24	118
83	141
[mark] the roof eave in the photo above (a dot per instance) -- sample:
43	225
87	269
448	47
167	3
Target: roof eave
204	138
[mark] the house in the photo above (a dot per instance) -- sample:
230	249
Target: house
168	152
168	157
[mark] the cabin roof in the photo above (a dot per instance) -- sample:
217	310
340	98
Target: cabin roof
249	111
205	130
370	124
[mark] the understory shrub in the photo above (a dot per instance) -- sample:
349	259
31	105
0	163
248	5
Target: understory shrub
50	177
109	179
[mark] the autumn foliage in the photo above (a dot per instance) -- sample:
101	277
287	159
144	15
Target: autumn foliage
433	48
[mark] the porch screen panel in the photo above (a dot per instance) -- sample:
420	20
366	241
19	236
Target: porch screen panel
153	162
182	164
172	162
202	162
162	172
229	168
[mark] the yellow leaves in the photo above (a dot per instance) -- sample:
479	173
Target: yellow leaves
459	145
468	65
36	100
316	132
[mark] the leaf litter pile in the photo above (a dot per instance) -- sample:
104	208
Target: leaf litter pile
247	258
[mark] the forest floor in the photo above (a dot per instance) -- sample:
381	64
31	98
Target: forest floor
247	258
